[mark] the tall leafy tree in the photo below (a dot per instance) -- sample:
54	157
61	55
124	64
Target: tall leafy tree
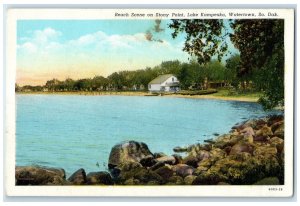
259	41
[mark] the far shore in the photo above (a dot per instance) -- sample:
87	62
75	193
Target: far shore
144	93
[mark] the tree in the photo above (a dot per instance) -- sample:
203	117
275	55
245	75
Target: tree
232	68
17	88
171	67
191	74
215	71
99	83
116	80
69	84
259	41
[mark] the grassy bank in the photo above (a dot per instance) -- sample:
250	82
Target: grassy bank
222	94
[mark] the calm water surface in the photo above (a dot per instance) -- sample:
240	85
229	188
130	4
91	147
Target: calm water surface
75	131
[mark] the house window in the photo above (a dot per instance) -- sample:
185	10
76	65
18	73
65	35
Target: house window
172	79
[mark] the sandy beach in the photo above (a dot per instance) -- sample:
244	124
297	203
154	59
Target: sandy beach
129	93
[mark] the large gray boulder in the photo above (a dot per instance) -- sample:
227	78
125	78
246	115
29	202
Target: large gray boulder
128	151
37	175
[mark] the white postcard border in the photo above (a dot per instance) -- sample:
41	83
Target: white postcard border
179	191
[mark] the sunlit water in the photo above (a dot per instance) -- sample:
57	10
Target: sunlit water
75	131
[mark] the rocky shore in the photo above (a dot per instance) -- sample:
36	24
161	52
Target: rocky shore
251	153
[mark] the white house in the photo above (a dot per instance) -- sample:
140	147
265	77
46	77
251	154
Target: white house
164	83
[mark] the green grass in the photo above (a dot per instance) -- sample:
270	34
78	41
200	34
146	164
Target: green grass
197	92
234	93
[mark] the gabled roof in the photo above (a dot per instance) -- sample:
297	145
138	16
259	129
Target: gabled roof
161	78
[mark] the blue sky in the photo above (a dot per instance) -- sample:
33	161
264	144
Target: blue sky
76	49
73	29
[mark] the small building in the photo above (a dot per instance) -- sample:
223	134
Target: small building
164	83
216	84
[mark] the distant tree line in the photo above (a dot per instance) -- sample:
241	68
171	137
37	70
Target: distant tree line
191	75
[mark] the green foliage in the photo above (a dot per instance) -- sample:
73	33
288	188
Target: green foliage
191	74
215	71
232	68
260	43
205	37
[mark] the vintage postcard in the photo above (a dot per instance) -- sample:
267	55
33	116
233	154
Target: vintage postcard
149	102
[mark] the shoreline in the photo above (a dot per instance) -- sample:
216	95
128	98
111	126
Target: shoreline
124	93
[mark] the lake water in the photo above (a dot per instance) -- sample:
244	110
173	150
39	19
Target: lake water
75	131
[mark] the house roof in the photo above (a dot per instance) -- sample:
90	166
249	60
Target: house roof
161	78
173	84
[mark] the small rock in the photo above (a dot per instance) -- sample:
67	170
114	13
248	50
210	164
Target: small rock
279	132
178	159
276	125
242	156
165	172
205	163
248	131
183	170
180	149
157	165
227	149
234	132
188	180
203	154
145	176
217	153
132	181
158	155
210	141
78	177
249	139
128	166
241	147
193	149
268	181
260	138
228	140
175	180
275	118
148	161
278	143
209	179
265	151
260	123
191	160
264	131
199	170
167	160
99	178
221	144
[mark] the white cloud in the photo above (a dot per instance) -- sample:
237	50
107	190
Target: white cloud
46	35
40	41
28	46
100	39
